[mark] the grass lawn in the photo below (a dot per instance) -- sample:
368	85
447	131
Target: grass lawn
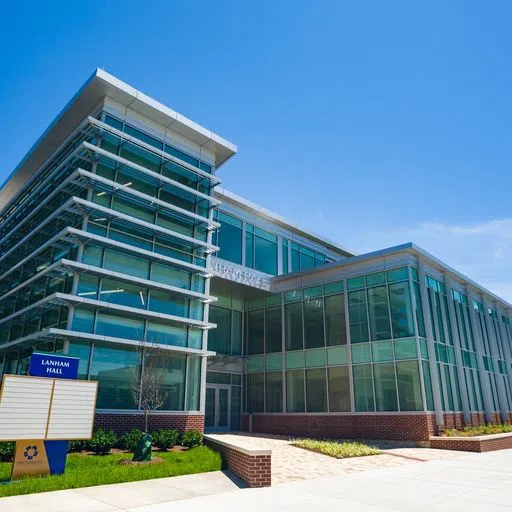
339	450
482	430
87	470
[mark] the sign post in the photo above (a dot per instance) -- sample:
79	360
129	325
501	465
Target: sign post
55	367
43	411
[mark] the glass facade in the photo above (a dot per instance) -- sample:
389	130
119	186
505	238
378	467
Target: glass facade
246	244
359	344
110	247
133	273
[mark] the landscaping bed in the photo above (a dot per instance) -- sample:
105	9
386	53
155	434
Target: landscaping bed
481	430
484	438
83	470
337	449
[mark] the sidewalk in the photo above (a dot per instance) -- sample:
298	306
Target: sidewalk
472	482
115	497
475	482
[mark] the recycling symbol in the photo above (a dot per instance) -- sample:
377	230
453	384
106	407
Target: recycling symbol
30	452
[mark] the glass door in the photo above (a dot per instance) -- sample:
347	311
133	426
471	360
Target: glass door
217	408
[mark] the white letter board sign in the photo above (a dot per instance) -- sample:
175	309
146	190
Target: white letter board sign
42	408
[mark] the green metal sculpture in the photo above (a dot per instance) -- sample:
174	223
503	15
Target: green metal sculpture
143	449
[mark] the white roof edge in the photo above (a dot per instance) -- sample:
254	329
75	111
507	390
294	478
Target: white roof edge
91	92
388	251
260	210
167	111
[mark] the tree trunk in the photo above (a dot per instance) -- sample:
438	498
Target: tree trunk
146	418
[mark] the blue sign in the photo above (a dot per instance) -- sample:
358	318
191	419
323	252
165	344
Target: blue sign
53	366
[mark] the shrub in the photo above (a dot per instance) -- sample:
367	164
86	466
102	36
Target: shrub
165	439
130	439
337	449
77	446
489	428
191	438
7	449
103	441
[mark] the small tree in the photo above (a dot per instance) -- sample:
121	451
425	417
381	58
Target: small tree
148	388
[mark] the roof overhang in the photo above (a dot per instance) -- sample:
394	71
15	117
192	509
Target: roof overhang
99	85
407	248
229	197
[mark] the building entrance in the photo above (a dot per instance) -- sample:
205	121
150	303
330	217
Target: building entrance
218	408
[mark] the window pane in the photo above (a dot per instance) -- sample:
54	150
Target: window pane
92	255
123	294
255	392
273	392
165	334
419	310
363	387
83	320
401	310
314	322
385	387
428	386
265	255
358	316
336	331
273	325
255	332
119	326
219	339
230	239
316	391
339	389
88	286
293	325
126	264
409	388
295	391
193	382
117	370
236	336
171	304
81	350
171	369
167	275
379	314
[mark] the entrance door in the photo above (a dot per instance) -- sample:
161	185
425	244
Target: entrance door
218	408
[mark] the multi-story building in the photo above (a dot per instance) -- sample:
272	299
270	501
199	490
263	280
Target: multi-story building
114	239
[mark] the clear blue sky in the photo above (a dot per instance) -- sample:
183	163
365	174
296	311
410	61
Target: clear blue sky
371	122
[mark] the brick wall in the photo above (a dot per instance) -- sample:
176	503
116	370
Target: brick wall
417	427
121	423
477	418
254	468
473	444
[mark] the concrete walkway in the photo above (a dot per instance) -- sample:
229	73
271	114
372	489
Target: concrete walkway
469	482
290	463
475	482
115	497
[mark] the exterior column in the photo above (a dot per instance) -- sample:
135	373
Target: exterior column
436	391
417	331
451	321
349	351
484	381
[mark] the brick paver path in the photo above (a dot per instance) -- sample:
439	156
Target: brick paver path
290	463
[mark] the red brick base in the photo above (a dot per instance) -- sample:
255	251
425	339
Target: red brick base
253	468
121	423
473	444
403	427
